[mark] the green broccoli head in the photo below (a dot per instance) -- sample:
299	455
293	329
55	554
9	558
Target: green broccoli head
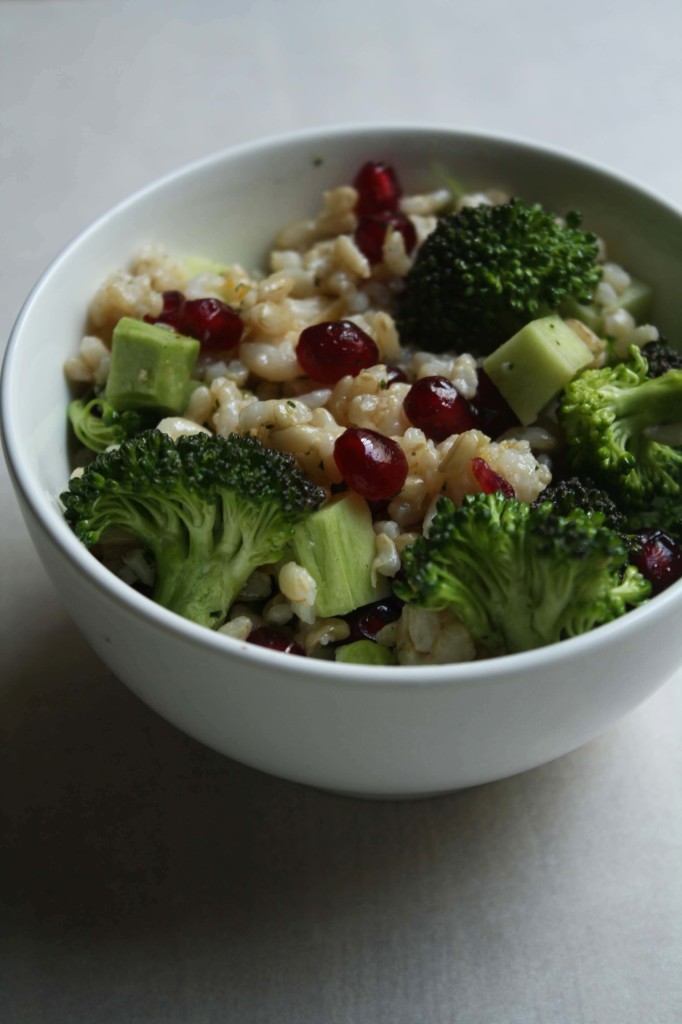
209	509
486	271
520	576
576	492
97	425
663	512
613	421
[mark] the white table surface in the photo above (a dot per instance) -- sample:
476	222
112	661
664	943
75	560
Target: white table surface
146	879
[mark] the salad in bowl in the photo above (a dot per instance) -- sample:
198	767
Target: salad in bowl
437	427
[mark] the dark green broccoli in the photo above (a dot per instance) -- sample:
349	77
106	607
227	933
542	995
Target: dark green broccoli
661	357
611	418
520	576
577	492
97	425
209	509
664	512
488	270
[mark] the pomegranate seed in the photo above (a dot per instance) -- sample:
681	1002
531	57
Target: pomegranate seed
492	411
378	188
371	231
372	465
173	304
275	639
335	349
366	622
659	559
394	375
489	480
434	405
210	321
213	323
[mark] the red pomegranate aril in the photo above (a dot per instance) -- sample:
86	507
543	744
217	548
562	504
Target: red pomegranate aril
171	311
492	411
378	188
373	465
489	480
369	620
394	375
275	639
372	230
659	559
173	304
434	405
212	322
335	349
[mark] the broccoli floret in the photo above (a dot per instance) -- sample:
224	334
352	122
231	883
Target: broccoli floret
611	418
577	492
209	509
520	576
661	357
97	425
488	270
663	512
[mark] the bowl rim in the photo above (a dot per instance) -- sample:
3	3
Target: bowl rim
42	505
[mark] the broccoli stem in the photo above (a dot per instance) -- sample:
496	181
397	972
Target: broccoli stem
648	404
201	572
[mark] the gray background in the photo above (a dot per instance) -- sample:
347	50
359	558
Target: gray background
145	878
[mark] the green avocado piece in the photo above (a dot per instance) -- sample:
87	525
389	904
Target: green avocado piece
535	364
590	315
637	299
194	265
365	652
337	546
151	367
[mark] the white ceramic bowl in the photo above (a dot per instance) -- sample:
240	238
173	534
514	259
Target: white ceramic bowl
362	730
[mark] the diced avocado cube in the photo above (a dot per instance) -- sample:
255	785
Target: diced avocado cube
365	652
194	265
337	546
637	299
533	366
151	367
590	315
